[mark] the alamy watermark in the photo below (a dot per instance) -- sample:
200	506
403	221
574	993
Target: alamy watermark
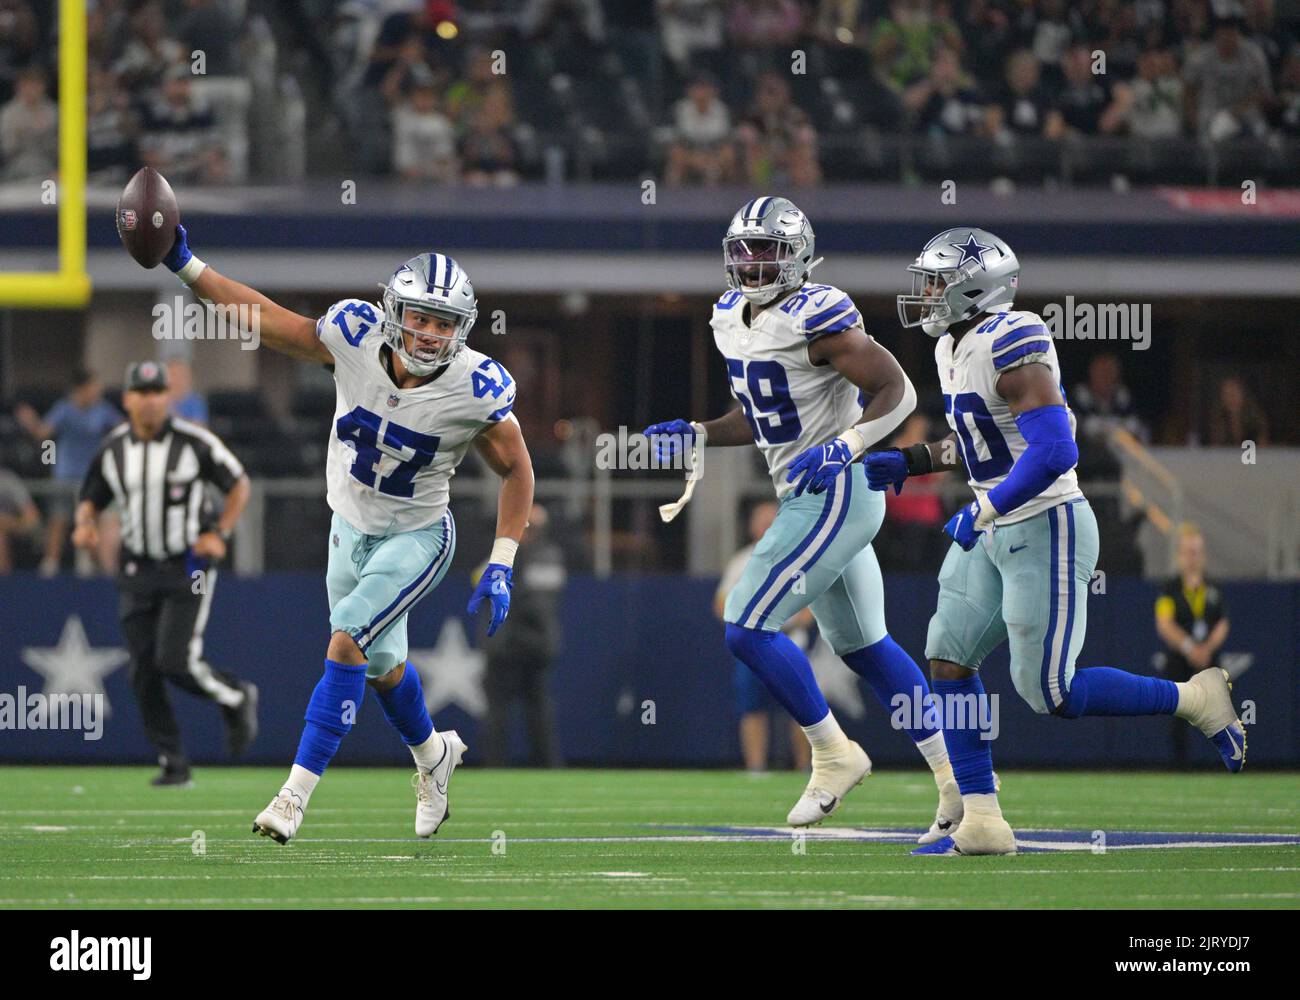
183	319
636	452
36	711
1130	321
952	711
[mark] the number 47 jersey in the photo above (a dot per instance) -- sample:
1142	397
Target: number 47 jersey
392	452
991	443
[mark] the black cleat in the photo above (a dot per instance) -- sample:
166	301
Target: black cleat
241	722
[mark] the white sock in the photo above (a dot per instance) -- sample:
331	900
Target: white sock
428	753
825	737
1191	700
983	803
935	752
301	782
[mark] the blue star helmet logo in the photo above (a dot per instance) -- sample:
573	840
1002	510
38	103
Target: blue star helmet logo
972	249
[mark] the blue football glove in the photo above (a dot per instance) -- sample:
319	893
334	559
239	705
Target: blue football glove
179	255
666	437
494	585
817	467
886	469
971	521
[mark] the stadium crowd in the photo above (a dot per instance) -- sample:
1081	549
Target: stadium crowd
704	91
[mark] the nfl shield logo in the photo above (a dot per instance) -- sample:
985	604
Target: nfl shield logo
392	400
127	219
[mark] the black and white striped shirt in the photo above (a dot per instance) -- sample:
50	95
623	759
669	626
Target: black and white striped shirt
158	485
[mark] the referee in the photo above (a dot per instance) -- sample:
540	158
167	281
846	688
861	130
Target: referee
155	468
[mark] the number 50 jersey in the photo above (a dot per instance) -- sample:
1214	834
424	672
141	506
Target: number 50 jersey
991	443
392	452
791	404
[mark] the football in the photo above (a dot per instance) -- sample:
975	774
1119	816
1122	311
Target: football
147	215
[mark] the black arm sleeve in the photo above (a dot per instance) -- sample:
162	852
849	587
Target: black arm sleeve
95	487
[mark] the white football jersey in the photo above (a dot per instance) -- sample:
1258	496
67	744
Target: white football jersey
392	452
991	443
791	404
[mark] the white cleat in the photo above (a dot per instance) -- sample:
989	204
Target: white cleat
1211	711
979	833
948	816
831	780
281	818
431	806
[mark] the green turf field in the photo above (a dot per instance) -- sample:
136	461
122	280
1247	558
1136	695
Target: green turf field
101	837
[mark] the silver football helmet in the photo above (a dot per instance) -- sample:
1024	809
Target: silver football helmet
434	283
768	249
959	274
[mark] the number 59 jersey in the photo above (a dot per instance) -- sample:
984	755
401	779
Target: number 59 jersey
990	441
392	452
791	404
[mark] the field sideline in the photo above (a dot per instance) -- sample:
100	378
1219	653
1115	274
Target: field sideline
94	837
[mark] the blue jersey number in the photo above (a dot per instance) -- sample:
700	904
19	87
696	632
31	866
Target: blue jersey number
484	384
999	461
366	319
412	450
764	393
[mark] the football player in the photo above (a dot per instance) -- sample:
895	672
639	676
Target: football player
411	399
799	362
1024	551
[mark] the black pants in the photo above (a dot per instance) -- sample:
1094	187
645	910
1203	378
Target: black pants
519	677
163	621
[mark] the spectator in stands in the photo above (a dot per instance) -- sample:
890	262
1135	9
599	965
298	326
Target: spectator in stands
947	102
754	703
1156	111
210	27
1191	620
539	18
149	53
180	138
411	68
487	152
1236	417
29	130
519	657
111	128
764	24
18	517
778	142
1052	32
1024	109
702	146
19	41
1288	85
187	402
465	96
1086	105
1101	406
424	140
903	43
1228	86
691	31
76	424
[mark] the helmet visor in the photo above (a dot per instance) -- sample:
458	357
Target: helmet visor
755	261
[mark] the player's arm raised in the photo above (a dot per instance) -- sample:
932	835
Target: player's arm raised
279	328
502	446
875	371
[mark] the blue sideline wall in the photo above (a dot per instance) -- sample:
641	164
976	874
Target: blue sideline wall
629	640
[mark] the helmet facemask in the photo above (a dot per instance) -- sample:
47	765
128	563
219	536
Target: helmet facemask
927	306
761	267
430	350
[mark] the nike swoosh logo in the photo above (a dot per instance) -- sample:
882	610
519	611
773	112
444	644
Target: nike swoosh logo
440	785
1013	322
944	824
826	807
1017	548
1236	750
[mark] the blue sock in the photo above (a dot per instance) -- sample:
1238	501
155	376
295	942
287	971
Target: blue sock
1107	691
785	670
891	672
971	757
404	708
330	713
